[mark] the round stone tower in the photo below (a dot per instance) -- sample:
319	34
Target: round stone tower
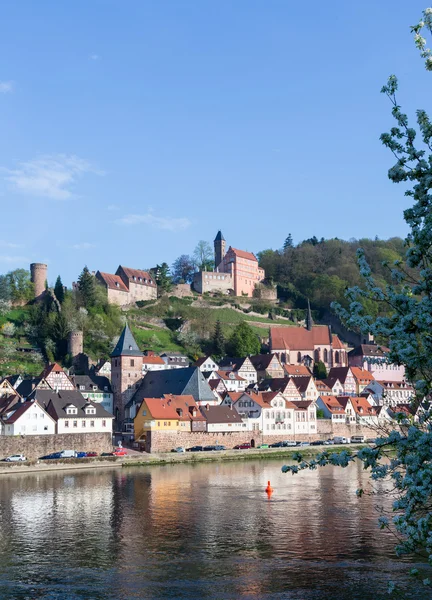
38	276
75	343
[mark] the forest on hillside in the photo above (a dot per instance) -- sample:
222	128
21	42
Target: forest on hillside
321	270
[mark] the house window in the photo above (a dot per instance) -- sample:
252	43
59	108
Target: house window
46	428
66	423
75	423
91	423
83	423
132	362
337	356
299	357
144	413
103	423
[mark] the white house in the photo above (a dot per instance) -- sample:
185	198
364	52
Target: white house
266	412
95	388
73	413
232	380
347	379
222	419
206	364
153	363
242	366
332	408
390	393
27	418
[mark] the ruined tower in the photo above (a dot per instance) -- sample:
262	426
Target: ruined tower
126	373
219	248
38	276
75	343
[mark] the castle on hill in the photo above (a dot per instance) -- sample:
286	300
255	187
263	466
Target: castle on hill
237	272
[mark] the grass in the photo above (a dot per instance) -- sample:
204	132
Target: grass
17	316
166	342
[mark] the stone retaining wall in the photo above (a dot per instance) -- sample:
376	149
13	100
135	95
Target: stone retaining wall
35	446
164	441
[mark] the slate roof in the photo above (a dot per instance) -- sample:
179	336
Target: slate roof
55	404
219	237
19	410
369	350
220	414
262	361
178	382
235	363
88	381
13	379
340	373
126	345
27	386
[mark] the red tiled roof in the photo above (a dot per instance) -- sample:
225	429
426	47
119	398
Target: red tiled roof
297	370
186	403
362	374
337	344
243	254
153	360
52	368
299	338
321	386
160	408
20	410
362	407
111	281
230	375
234	396
332	404
138	274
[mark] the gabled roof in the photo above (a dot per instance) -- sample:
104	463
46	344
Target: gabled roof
229	376
243	254
321	386
276	384
262	361
88	381
19	409
302	383
362	407
340	373
8	402
333	404
297	370
369	350
362	375
179	382
51	368
299	338
235	363
113	282
202	360
220	414
161	408
331	382
138	274
126	345
55	404
187	405
153	360
336	343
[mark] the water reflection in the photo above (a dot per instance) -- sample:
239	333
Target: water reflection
193	531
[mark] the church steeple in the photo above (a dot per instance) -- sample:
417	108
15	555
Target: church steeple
309	321
219	248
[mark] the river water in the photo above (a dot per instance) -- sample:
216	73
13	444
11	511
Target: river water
205	531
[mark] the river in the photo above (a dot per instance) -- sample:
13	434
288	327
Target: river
205	531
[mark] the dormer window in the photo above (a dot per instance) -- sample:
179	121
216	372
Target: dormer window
140	279
231	376
81	387
71	410
134	278
117	284
90	410
95	388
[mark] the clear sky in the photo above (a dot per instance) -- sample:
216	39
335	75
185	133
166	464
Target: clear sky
131	129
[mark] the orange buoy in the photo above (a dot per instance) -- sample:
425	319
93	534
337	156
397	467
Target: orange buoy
269	489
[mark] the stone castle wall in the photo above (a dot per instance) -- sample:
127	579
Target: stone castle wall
164	441
35	446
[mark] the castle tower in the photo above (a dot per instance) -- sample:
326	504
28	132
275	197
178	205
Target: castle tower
38	276
75	343
126	373
219	248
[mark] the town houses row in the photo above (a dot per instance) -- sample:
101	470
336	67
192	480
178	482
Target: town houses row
276	394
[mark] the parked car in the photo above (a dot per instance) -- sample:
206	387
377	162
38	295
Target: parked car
209	448
328	443
219	448
68	454
53	456
358	439
263	446
289	443
16	458
107	454
317	443
91	454
371	441
341	440
80	454
277	445
195	449
179	450
245	446
304	443
120	452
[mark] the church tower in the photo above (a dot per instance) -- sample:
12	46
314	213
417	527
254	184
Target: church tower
219	248
126	373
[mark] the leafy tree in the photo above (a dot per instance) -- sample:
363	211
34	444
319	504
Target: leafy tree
4	288
87	288
203	256
218	340
406	326
8	329
183	269
59	290
163	278
21	288
244	340
288	242
319	370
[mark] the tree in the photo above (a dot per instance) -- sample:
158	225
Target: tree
288	243
21	288
319	370
203	256
60	332
163	278
244	341
87	288
183	269
59	290
407	329
218	340
4	288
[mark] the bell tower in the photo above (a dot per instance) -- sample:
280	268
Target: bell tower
126	373
219	248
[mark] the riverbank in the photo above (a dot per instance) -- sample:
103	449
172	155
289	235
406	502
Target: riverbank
166	458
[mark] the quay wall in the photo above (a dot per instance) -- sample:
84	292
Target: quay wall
35	446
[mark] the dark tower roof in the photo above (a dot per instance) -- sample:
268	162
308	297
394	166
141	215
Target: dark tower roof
126	345
219	237
309	321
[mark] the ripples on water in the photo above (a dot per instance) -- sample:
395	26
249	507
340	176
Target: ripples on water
194	532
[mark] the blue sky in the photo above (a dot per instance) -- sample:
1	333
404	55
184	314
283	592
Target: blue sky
132	129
